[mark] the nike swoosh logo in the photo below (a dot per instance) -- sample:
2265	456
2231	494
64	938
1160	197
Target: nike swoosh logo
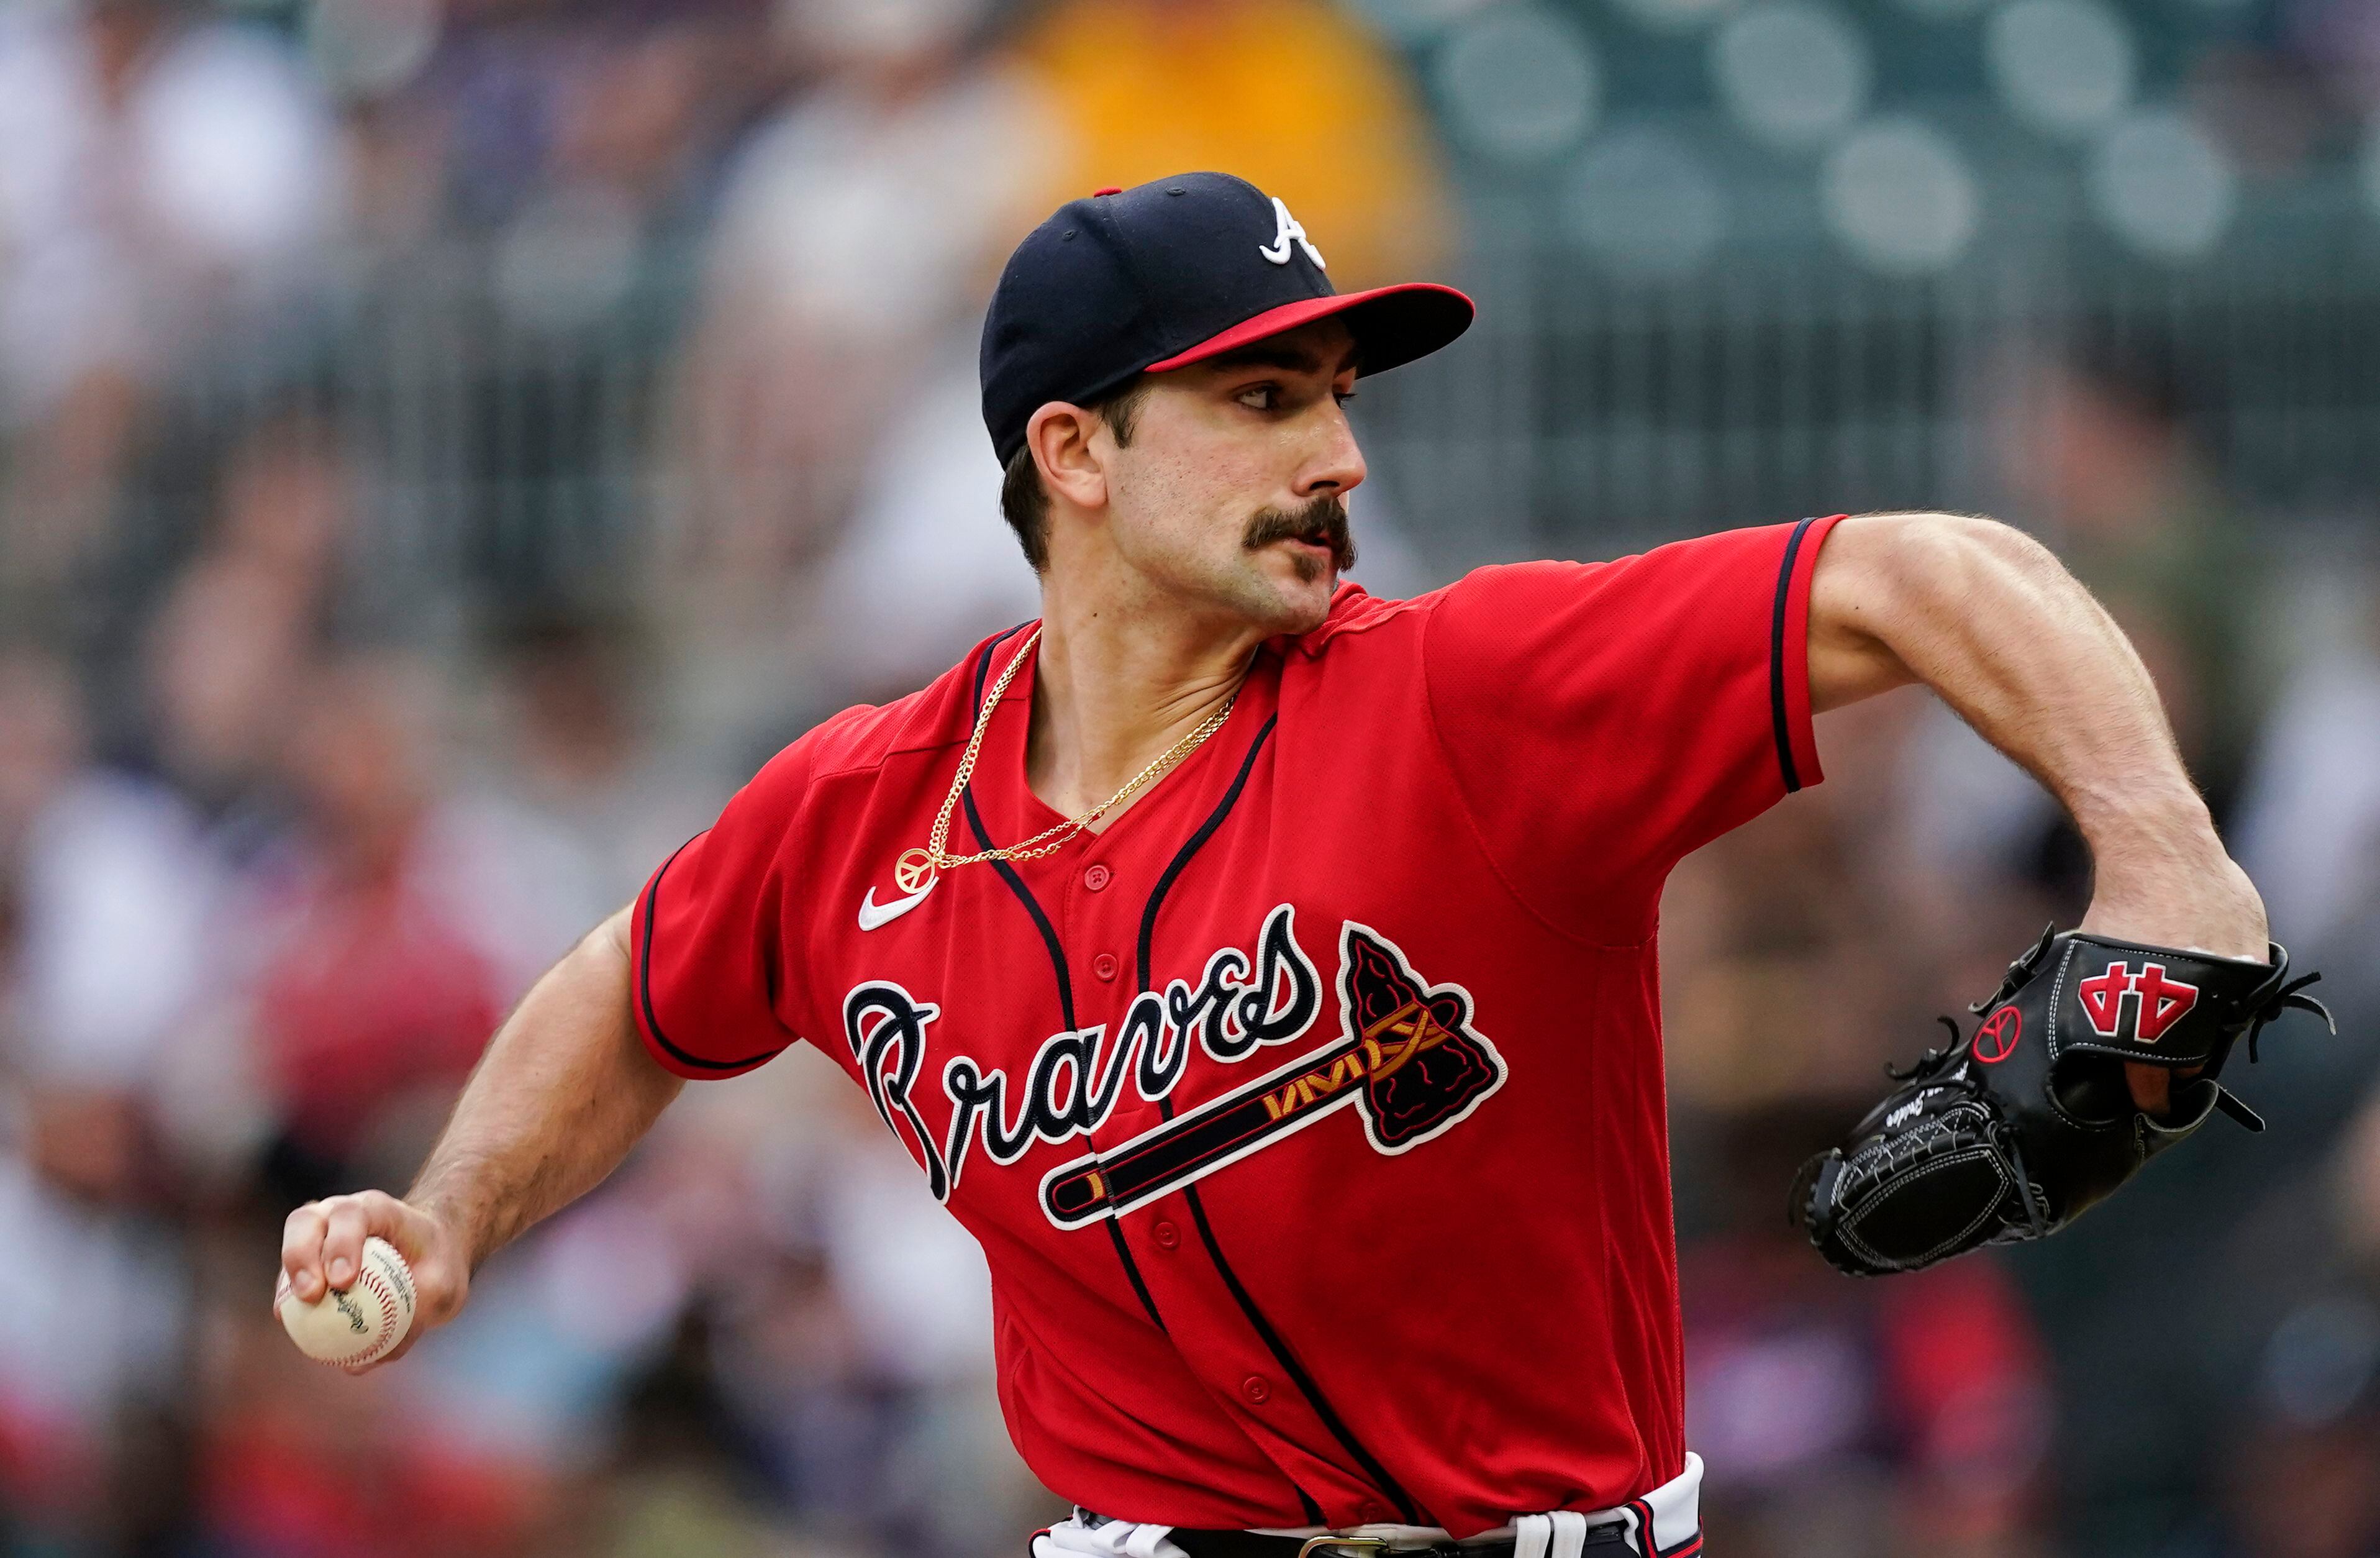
873	914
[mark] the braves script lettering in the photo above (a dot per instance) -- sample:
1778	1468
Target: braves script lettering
1409	1060
1075	1077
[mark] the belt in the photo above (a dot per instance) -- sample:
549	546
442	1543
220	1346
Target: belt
1256	1545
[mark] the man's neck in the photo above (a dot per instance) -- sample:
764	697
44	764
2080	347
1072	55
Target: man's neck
1118	681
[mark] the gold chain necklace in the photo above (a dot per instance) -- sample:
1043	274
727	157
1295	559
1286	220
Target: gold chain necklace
917	868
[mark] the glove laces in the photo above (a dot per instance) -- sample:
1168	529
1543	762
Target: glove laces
2018	974
2286	999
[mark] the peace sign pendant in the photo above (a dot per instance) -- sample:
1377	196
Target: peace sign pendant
914	871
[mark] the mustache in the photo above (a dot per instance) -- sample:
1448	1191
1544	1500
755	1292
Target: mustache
1323	521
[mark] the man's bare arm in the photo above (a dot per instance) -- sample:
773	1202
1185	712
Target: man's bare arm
1995	624
563	1091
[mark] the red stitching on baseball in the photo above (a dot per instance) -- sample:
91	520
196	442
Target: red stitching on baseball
379	1285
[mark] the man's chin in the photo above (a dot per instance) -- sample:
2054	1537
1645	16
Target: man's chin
1272	593
1305	597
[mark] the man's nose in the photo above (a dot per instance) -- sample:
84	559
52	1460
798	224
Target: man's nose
1336	464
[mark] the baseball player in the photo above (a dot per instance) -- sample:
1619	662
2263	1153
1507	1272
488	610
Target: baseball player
1265	973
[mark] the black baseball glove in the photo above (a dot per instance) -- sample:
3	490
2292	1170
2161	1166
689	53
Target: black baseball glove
2023	1125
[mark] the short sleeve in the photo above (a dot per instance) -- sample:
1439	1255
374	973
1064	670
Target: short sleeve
1602	720
707	942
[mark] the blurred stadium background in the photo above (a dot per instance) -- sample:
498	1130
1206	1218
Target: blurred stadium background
446	444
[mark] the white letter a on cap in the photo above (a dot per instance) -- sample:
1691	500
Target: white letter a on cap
1286	229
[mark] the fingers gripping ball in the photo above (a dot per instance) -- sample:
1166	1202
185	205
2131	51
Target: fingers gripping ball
358	1324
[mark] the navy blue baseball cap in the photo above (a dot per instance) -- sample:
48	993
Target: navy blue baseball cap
1169	274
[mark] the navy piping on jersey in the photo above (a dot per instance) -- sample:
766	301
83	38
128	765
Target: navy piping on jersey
645	984
1776	669
1148	933
1058	965
1406	1509
1196	841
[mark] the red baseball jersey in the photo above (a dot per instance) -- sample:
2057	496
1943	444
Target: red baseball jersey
1311	1114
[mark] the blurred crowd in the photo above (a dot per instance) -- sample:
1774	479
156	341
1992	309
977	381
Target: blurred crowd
284	831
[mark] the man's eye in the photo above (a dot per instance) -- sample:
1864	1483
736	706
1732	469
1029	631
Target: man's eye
1343	395
1259	397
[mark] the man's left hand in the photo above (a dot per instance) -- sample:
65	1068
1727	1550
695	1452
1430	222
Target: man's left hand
2208	906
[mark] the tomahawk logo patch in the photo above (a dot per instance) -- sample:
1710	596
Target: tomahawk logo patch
1424	1066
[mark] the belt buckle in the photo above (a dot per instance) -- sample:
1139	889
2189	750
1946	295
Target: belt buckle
1378	1544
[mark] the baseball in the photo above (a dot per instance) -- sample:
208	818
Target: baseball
355	1325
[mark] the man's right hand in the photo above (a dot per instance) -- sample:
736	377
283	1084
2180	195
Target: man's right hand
323	1245
565	1089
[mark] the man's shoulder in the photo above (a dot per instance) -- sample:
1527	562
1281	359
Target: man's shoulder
1355	612
942	713
1356	617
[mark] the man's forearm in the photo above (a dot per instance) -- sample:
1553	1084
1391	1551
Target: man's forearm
563	1091
1996	626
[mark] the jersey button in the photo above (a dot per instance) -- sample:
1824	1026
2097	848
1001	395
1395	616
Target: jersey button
1104	965
1097	878
1167	1235
1257	1388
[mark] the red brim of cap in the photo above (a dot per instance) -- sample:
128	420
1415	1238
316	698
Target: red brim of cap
1392	324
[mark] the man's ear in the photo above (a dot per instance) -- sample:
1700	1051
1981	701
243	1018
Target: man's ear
1060	436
